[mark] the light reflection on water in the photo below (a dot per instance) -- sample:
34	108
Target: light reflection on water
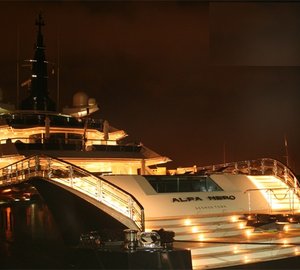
30	220
29	237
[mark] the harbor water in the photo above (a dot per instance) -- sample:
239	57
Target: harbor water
30	238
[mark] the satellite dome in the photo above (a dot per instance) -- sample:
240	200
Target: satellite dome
80	99
91	101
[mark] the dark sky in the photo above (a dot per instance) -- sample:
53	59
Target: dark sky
184	78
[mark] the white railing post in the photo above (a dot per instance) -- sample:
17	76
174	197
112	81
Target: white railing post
270	200
16	172
263	166
285	174
295	183
130	207
249	167
28	161
293	200
37	164
71	174
7	175
23	173
249	202
275	168
99	190
142	220
49	169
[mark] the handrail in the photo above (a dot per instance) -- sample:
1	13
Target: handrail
26	140
271	190
67	144
68	174
264	166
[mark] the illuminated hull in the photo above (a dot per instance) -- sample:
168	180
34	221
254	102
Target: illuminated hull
223	228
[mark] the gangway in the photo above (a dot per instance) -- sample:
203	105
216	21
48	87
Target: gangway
113	200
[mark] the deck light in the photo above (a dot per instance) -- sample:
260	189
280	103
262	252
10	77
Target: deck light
248	232
234	218
241	225
291	219
195	229
201	237
235	249
246	259
285	243
187	222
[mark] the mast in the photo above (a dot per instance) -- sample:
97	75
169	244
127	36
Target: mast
58	67
286	151
18	67
38	98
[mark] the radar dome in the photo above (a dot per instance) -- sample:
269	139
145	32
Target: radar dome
92	101
80	99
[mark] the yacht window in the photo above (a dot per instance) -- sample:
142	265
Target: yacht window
167	184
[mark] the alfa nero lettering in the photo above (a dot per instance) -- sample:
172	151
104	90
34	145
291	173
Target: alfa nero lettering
230	197
187	199
211	198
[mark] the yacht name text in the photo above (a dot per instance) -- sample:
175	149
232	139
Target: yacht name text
196	198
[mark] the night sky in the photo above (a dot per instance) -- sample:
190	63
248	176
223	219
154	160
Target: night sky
184	78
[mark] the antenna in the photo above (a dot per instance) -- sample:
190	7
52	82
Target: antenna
18	66
286	150
58	60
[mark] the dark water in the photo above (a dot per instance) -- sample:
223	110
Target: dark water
29	238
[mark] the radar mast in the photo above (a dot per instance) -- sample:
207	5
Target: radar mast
38	98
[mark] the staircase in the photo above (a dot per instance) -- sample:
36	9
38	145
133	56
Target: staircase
200	228
280	196
96	190
219	241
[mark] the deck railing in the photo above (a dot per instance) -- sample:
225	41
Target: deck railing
273	196
69	175
264	166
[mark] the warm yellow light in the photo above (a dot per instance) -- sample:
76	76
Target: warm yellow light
296	250
249	217
235	249
195	229
6	190
187	222
286	228
285	243
246	259
201	237
248	232
234	219
241	225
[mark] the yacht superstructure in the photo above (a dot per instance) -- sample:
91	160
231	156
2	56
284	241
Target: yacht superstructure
226	214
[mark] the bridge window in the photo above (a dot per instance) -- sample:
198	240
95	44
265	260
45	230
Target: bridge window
167	184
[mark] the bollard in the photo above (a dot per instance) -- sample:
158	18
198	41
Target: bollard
130	241
150	240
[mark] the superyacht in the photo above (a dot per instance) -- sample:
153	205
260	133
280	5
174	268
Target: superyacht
231	214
